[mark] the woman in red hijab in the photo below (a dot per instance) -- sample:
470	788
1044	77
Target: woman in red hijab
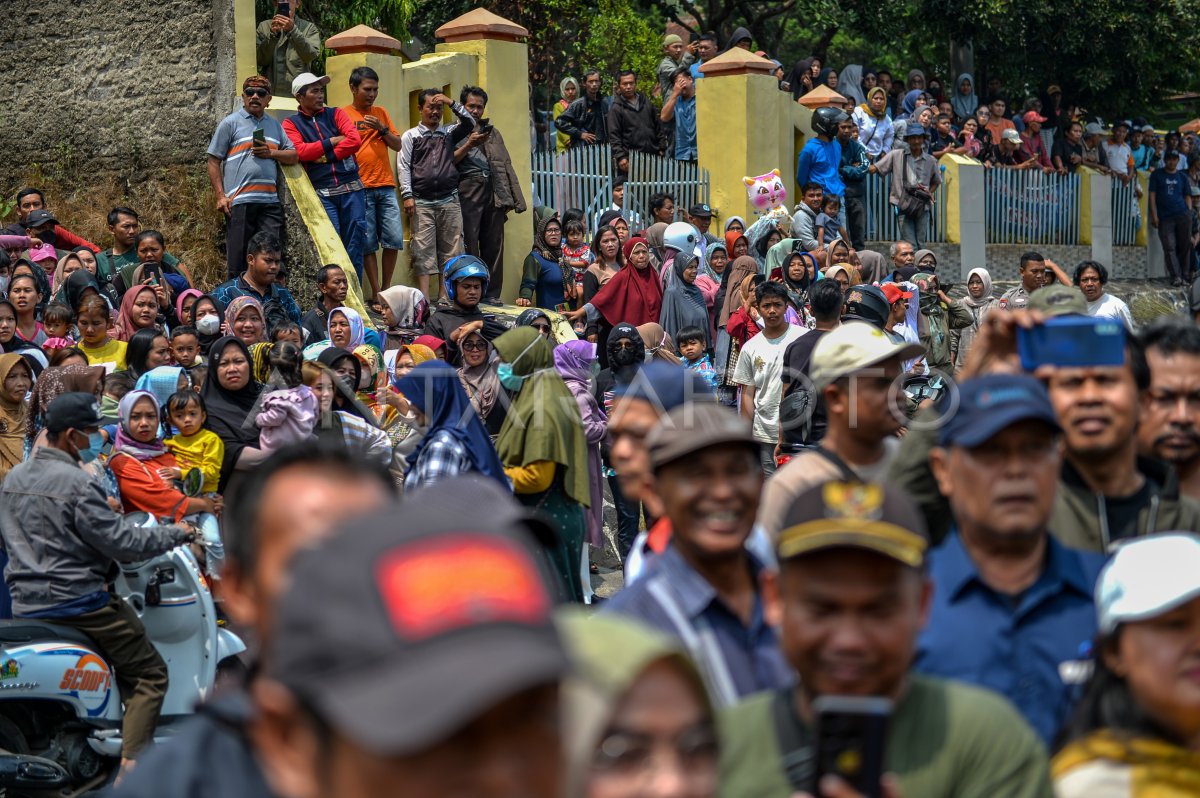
633	295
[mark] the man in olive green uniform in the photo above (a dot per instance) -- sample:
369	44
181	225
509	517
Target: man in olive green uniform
287	46
853	596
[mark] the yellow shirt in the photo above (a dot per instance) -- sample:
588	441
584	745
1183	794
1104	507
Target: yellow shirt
204	450
111	351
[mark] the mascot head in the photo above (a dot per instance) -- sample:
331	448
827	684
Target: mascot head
766	192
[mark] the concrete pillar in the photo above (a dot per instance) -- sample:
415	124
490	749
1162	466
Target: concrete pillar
743	128
1095	214
966	224
502	55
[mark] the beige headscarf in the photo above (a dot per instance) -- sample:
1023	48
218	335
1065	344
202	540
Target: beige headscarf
14	419
655	338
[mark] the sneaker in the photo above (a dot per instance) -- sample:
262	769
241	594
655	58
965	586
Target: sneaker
443	302
493	301
1177	282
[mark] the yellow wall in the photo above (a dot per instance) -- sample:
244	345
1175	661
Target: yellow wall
952	163
244	42
1085	204
1143	232
743	127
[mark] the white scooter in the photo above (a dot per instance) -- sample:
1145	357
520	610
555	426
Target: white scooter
60	709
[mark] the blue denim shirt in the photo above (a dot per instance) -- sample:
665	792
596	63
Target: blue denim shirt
749	655
1028	647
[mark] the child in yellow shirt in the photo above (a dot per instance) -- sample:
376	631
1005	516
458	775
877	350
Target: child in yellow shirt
194	446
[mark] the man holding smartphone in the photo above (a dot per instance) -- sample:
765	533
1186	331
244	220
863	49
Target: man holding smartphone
286	46
243	167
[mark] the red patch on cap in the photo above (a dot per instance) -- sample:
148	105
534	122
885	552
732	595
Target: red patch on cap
460	580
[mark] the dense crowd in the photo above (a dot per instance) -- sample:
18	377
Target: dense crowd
833	476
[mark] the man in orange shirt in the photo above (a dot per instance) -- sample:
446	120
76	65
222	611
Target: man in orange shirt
998	123
384	226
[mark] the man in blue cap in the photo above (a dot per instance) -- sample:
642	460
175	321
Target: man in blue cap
1012	607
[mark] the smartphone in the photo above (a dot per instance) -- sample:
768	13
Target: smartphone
851	733
284	9
485	125
260	136
1072	342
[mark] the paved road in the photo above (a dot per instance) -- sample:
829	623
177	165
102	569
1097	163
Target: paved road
610	579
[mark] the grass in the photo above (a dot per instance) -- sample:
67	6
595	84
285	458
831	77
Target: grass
177	201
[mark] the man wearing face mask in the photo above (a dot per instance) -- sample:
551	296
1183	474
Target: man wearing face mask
62	539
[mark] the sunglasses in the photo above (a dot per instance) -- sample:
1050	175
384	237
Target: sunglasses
257	93
627	345
542	328
474	346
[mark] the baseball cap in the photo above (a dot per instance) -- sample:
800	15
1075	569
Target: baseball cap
851	347
1147	128
1011	135
913	130
44	252
894	293
74	410
866	303
861	515
1092	129
1058	300
695	426
1033	116
1147	577
702	210
39	217
989	404
306	79
399	633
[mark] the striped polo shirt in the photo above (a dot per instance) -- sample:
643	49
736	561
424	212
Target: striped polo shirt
246	178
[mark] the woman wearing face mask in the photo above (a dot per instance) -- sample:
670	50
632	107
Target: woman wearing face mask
658	345
634	295
543	448
1136	731
142	463
16	378
454	441
230	393
979	302
631	696
53	383
578	366
207	316
683	302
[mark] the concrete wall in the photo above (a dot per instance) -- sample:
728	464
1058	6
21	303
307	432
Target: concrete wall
92	84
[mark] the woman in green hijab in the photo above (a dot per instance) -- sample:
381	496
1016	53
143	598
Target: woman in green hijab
633	695
543	448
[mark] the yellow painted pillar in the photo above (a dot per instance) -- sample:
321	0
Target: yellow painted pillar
502	70
1143	233
950	196
1085	204
245	43
743	128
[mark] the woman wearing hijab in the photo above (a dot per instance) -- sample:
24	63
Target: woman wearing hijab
144	468
455	441
349	370
712	269
734	224
658	344
79	285
633	295
938	318
916	80
850	83
207	315
569	90
800	79
148	349
67	265
875	129
230	393
683	302
53	383
828	78
481	381
245	318
185	303
546	281
979	302
543	448
964	100
654	239
162	382
620	669
576	362
139	311
16	377
405	311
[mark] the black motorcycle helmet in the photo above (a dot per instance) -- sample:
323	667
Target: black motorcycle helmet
867	303
826	120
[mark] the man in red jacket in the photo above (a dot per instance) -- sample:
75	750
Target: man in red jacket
326	140
32	199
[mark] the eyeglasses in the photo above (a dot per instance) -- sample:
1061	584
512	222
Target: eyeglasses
544	329
257	93
474	346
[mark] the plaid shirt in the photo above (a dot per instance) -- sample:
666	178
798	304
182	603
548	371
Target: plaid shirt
365	438
442	458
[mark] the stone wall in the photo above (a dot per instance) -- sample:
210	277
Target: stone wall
1129	263
126	86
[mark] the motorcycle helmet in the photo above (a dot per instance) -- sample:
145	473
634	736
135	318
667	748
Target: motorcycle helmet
681	237
460	267
867	303
826	120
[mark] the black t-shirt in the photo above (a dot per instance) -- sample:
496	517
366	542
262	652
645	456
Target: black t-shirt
796	359
1064	149
1122	513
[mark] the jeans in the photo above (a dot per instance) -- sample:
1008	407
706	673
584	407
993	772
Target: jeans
911	229
348	214
1176	237
856	221
245	220
383	225
766	454
629	517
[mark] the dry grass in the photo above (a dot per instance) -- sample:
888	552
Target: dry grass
177	201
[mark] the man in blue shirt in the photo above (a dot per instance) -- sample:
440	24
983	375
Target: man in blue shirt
680	108
1170	202
263	258
821	158
1012	607
705	588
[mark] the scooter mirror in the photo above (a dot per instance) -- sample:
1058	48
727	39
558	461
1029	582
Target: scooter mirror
193	481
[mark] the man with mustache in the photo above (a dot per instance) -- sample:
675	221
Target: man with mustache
1169	427
1012	607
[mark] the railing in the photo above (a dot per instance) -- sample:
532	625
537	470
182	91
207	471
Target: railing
582	177
1126	215
1028	206
884	225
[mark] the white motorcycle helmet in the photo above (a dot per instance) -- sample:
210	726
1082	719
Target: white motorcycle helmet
681	237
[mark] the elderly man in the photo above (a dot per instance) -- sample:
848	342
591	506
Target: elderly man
243	168
1169	426
916	169
1012	607
286	46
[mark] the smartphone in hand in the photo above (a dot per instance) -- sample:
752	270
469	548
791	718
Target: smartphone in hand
851	736
1072	342
259	136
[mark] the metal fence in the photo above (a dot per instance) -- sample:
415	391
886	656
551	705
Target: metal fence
884	225
582	177
1126	215
1028	206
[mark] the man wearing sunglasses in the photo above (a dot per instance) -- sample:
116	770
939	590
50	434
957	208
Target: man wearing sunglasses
243	159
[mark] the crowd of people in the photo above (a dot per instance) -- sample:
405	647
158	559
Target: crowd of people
830	477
